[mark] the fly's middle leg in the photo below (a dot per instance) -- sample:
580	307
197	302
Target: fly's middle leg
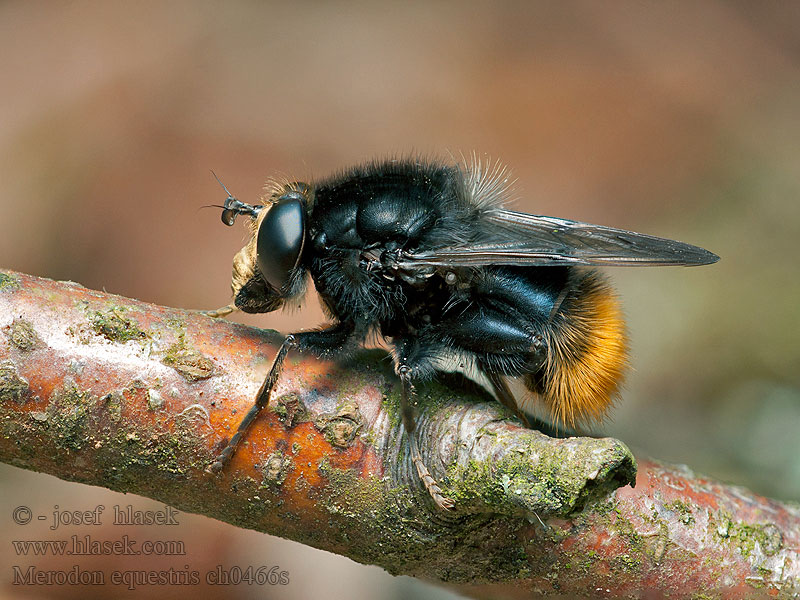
407	407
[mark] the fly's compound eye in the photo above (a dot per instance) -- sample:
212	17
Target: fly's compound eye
281	237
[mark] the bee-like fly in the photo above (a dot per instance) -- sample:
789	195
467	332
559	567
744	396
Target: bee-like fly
424	254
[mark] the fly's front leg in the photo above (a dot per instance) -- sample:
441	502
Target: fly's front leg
262	399
220	312
321	343
410	425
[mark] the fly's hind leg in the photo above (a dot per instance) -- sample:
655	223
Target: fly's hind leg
505	396
410	425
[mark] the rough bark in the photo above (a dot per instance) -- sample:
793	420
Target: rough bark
139	398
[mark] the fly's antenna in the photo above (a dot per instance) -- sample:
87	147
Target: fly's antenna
234	207
223	185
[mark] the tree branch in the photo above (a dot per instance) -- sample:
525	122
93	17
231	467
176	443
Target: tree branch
139	398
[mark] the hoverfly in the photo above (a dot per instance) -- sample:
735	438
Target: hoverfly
425	254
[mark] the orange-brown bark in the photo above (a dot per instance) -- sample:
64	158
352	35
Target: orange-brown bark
140	398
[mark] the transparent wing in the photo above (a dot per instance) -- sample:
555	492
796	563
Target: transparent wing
515	238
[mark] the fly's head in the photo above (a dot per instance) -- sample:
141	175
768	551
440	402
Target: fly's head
269	270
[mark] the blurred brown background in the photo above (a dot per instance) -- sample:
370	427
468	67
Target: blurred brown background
676	119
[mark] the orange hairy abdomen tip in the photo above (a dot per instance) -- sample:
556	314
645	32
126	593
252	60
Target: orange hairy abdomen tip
587	354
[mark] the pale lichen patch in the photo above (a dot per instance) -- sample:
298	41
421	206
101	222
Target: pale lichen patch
13	386
341	427
22	335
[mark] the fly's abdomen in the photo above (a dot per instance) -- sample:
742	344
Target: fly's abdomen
586	354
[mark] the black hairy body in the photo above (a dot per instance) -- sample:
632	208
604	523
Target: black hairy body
495	318
362	217
424	255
